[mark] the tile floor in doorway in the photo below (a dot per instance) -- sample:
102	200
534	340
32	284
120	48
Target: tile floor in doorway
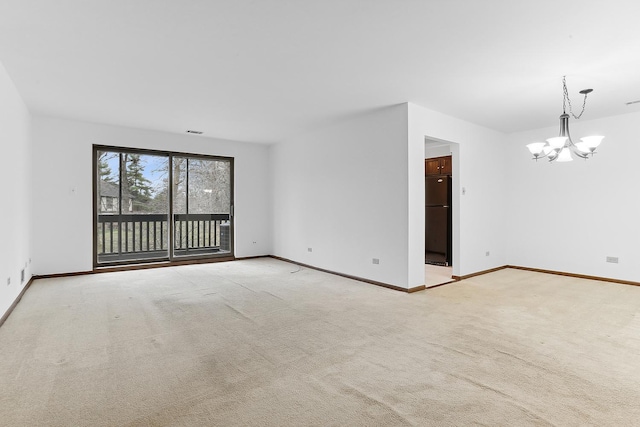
436	275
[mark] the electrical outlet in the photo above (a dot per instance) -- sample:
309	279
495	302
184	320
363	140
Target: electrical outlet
487	253
612	259
309	249
376	261
8	280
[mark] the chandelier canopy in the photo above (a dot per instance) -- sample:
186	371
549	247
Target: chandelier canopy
562	148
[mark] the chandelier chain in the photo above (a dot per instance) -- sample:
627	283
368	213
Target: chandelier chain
567	100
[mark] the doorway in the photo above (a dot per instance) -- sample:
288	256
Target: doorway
154	206
439	207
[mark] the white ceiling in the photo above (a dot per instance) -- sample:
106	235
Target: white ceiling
263	70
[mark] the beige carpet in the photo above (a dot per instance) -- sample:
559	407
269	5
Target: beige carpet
260	343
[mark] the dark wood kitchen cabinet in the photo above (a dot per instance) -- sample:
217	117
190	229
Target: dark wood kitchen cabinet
438	166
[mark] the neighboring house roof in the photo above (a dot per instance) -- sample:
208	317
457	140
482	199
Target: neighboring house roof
109	189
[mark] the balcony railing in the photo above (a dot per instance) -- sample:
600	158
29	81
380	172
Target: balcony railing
146	236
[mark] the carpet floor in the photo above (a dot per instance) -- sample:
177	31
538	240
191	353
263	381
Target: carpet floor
266	343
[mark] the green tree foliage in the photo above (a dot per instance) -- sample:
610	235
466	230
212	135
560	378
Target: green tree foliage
139	187
104	170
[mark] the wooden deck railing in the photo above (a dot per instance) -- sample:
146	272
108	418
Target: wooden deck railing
133	235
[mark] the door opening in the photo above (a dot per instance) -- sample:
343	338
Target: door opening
438	213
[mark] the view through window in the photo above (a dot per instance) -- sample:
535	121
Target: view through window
157	206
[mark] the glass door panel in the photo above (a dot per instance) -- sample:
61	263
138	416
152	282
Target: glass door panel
108	209
201	206
133	207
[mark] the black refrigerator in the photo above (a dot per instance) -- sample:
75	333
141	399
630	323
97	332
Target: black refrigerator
438	220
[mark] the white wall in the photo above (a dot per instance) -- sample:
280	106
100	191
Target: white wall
436	149
354	191
570	216
15	188
479	215
342	191
62	188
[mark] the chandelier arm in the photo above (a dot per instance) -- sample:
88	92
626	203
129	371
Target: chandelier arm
579	153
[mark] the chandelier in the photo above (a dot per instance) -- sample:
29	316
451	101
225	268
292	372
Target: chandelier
562	147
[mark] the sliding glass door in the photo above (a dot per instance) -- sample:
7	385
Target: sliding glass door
154	206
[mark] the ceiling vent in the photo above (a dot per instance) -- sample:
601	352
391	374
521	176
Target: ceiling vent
197	132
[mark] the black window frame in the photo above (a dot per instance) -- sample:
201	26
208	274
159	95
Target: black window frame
170	258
